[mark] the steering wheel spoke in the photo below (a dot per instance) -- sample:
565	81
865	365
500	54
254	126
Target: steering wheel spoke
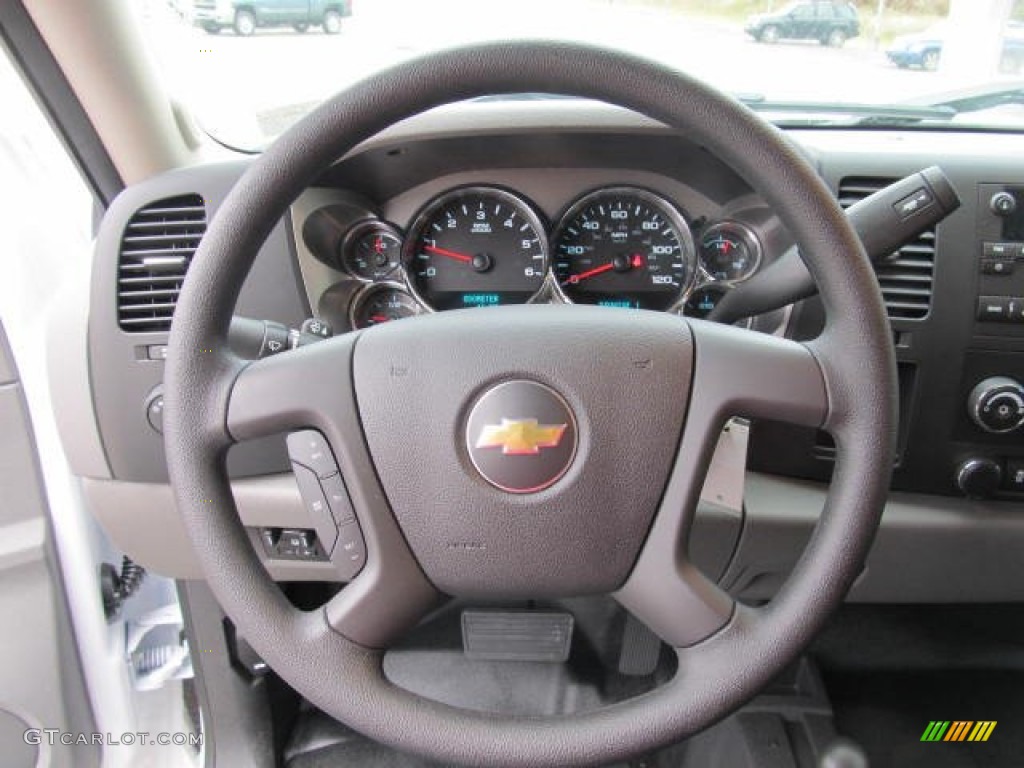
299	389
735	373
311	388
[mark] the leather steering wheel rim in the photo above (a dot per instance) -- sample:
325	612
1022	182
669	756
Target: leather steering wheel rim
852	361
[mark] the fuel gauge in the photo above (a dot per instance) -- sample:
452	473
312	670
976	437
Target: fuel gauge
372	250
382	303
729	252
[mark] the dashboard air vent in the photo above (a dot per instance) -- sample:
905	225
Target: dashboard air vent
906	275
156	249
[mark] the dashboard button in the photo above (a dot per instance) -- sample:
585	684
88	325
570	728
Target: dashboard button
979	478
992	308
155	412
1015	309
996	404
997	266
1014	480
310	449
1003	203
1000	250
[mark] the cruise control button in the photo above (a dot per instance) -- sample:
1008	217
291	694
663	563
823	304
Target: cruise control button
316	504
310	449
992	308
350	554
337	499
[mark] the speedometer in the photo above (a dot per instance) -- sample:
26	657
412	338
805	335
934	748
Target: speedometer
624	247
476	247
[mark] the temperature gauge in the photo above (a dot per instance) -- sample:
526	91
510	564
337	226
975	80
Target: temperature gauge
382	303
729	252
372	250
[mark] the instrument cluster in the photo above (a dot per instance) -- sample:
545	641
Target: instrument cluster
481	246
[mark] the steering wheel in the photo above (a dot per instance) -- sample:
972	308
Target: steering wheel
637	398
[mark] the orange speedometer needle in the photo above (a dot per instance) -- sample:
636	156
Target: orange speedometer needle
573	279
433	249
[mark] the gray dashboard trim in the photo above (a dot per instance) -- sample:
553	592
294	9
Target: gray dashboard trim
929	549
142	519
925	545
71	387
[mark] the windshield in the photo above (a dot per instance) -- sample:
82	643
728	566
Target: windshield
247	71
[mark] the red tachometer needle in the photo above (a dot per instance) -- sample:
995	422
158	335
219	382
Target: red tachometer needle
573	279
450	254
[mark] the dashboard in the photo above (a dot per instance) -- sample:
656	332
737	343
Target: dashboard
494	203
482	245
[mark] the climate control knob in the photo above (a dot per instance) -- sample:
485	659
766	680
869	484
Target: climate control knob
997	404
1003	204
979	478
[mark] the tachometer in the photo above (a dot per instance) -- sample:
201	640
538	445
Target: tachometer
624	247
476	247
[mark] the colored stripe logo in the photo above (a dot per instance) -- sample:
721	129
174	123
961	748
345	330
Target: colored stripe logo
958	730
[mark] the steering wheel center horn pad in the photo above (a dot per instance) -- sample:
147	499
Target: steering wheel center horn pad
648	393
615	382
529	451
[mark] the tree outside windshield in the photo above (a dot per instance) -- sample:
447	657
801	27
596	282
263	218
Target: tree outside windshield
247	73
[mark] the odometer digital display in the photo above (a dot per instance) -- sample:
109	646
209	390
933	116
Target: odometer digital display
624	247
476	247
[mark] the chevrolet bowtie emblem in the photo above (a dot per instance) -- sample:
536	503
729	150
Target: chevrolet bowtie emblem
520	437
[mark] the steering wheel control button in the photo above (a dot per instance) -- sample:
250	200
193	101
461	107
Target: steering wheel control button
316	505
349	555
521	436
337	499
310	449
997	404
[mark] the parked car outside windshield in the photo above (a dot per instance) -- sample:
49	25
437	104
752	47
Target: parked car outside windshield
829	23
